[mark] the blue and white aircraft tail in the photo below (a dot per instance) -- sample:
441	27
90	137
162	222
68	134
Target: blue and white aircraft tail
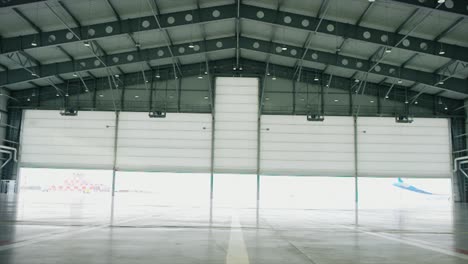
403	185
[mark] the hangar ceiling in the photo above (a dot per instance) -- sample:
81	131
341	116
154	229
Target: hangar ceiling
416	47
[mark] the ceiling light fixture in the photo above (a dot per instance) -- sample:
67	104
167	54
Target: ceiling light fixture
356	80
388	50
441	51
415	102
200	77
75	75
86	44
284	48
440	1
441	82
191	46
316	78
386	97
273	78
446	108
34	43
400	81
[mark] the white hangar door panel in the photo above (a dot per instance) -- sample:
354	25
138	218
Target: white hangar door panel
236	124
291	145
49	140
177	143
390	149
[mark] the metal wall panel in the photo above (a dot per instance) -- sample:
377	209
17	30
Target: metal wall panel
390	149
291	145
177	143
49	140
236	125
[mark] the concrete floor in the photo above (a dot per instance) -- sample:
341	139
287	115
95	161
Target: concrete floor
91	230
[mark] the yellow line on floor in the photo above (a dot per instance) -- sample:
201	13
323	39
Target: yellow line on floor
236	252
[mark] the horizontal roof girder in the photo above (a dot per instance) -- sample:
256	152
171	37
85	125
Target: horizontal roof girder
220	68
10	3
335	28
454	6
189	17
129	26
143	55
362	65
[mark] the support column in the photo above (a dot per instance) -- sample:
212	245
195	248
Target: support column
114	164
261	85
356	185
212	95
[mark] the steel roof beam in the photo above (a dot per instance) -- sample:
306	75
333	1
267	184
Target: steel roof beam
72	16
407	20
365	34
101	30
29	21
357	64
455	7
364	14
362	65
114	10
116	28
11	3
86	64
220	68
449	28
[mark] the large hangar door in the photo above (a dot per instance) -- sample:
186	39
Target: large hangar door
417	150
291	145
50	140
236	125
177	143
